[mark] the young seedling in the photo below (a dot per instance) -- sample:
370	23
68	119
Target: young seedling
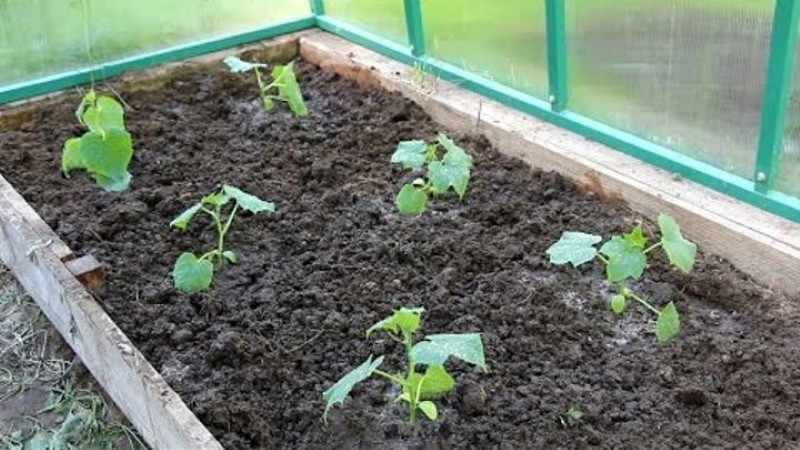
625	258
571	417
283	81
452	170
192	274
106	149
418	388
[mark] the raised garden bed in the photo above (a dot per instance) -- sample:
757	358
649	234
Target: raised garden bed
252	356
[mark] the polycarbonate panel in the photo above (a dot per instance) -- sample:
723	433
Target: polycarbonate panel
43	37
789	171
503	40
687	74
383	17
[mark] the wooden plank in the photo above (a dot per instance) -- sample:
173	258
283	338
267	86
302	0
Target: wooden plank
88	271
762	245
132	383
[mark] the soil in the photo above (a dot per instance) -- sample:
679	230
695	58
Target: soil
252	356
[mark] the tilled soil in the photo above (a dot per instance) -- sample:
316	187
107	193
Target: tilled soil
252	356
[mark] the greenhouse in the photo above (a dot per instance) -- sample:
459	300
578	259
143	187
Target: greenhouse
416	224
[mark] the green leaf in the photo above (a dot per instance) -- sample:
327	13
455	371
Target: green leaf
237	65
680	251
219	198
411	200
618	303
248	201
71	158
636	237
182	221
230	256
429	409
574	247
86	101
405	320
192	275
453	170
339	391
410	154
107	155
436	348
114	184
669	323
103	115
625	260
289	90
436	382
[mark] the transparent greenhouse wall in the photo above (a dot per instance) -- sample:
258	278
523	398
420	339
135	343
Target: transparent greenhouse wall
504	41
686	74
789	172
383	17
44	37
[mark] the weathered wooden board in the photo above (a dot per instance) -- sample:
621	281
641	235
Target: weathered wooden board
760	244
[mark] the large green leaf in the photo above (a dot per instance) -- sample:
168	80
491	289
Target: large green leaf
411	200
625	259
237	65
107	154
71	158
339	391
192	275
453	170
289	89
410	154
668	324
248	201
405	320
680	251
182	221
103	115
574	247
437	348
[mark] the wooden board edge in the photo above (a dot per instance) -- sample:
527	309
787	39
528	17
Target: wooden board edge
762	245
137	389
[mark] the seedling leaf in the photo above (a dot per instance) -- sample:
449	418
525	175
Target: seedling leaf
574	247
636	237
192	275
437	348
182	221
625	260
411	200
114	184
71	159
248	201
288	89
230	256
410	154
618	303
105	114
680	251
668	324
429	409
404	320
453	170
436	382
237	65
339	391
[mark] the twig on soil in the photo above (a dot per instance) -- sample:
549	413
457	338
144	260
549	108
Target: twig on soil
298	347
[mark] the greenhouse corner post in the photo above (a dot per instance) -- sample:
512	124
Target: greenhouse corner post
782	55
416	35
317	7
557	54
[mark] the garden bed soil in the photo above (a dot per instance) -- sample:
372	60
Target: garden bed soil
252	356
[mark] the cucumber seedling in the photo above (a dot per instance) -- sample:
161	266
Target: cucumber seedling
451	170
193	274
625	258
418	388
284	82
106	149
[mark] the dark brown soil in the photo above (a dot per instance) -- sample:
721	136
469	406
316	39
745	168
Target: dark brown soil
252	356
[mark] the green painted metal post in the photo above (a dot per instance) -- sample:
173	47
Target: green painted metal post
317	7
557	54
416	35
783	50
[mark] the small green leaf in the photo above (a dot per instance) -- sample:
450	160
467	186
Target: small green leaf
636	237
625	260
404	320
618	303
436	382
269	104
248	201
411	200
192	275
574	247
114	184
668	324
86	101
71	159
219	198
182	221
680	251
437	348
103	115
230	256
410	154
429	409
237	65
289	90
339	391
453	170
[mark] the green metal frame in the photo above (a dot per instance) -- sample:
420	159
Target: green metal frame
757	191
